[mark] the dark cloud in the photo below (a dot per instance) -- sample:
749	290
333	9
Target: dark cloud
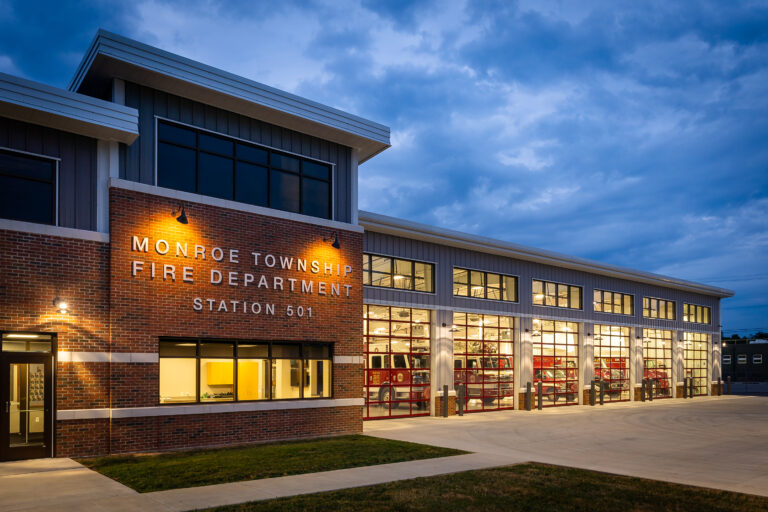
631	133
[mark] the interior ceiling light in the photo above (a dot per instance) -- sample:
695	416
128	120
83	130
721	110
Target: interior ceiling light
182	214
399	277
22	336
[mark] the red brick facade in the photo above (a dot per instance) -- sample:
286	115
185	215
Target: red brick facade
114	311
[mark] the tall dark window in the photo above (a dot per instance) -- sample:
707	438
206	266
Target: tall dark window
215	165
27	187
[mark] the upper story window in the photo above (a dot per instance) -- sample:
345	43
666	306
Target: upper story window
613	302
658	308
389	272
215	165
757	358
741	358
696	314
556	295
27	187
726	359
484	285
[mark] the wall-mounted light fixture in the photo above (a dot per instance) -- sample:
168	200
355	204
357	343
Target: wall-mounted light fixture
182	214
61	305
335	244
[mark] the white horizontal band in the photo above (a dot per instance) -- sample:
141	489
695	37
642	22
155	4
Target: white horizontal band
106	357
348	359
184	410
45	229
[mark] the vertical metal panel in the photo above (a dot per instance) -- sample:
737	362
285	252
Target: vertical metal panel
77	168
446	258
140	162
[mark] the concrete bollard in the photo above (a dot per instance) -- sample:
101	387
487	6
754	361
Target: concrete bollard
592	393
650	391
528	396
445	401
540	395
642	391
685	387
728	389
690	388
602	392
461	399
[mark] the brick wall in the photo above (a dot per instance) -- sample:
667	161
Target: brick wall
113	311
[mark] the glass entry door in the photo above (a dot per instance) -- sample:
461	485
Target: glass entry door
25	431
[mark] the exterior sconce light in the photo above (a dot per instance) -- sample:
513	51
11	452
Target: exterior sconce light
335	244
182	218
61	305
453	328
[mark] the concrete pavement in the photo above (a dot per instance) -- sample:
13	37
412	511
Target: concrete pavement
711	442
718	442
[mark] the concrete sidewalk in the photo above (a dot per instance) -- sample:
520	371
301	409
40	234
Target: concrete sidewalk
64	485
720	443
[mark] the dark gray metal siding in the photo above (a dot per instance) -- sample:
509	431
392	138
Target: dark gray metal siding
445	258
140	156
77	169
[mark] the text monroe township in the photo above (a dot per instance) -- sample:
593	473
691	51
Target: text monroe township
316	281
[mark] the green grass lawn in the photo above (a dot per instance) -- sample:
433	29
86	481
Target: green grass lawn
146	473
525	487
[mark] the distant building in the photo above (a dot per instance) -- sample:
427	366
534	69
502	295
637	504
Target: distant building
747	362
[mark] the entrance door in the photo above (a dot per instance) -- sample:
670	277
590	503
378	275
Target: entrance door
25	406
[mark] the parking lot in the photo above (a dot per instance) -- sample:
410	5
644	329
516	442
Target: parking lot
718	442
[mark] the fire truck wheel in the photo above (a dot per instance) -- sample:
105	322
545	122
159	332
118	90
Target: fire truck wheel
384	395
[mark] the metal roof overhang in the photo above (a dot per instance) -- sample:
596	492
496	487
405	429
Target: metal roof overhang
113	56
41	104
407	229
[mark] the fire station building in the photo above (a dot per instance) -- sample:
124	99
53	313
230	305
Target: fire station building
183	264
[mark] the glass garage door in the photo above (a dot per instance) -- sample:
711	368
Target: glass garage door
483	347
657	361
396	351
612	361
556	361
695	354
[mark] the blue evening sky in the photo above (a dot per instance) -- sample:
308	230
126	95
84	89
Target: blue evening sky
633	133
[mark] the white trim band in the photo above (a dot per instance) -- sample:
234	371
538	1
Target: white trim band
189	197
347	359
185	410
45	229
107	357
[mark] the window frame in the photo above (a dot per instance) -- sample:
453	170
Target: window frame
392	259
485	285
741	358
688	305
235	358
56	180
331	179
728	360
674	309
757	358
556	283
612	292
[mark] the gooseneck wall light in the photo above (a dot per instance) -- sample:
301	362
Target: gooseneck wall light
182	214
61	305
335	244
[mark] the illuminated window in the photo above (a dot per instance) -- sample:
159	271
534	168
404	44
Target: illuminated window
484	285
613	302
556	361
741	358
556	295
388	272
396	347
483	360
727	359
215	165
757	358
657	361
696	314
612	361
658	308
695	356
223	371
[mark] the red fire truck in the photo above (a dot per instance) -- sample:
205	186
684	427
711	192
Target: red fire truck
481	377
560	379
391	378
